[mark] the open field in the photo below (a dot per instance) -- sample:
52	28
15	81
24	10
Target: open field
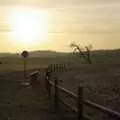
15	63
101	80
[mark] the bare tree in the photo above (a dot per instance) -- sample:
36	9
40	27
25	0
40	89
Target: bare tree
83	52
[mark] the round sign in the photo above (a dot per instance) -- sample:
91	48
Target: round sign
25	54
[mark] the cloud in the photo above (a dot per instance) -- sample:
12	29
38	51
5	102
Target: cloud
62	3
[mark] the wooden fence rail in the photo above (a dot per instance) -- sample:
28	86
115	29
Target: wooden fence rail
79	100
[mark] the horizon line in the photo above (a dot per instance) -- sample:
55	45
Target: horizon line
112	49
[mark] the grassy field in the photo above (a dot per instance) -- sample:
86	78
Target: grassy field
100	79
15	63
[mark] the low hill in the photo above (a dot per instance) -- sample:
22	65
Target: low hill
47	54
60	54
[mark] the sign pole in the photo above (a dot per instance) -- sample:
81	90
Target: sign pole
25	70
25	54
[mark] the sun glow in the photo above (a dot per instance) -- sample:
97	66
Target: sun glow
29	26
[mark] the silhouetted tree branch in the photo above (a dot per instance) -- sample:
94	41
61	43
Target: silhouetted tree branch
84	52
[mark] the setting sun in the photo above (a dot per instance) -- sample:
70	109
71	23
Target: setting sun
29	26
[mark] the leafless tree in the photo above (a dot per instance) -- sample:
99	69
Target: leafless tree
84	52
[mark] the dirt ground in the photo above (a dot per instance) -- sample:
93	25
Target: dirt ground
18	102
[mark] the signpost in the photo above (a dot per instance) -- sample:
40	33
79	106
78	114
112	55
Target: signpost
25	55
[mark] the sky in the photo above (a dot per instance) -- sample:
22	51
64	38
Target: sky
59	22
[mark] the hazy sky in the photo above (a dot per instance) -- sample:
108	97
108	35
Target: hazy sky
95	22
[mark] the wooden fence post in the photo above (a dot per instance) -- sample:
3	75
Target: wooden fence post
56	95
49	89
79	103
54	68
57	68
48	86
46	79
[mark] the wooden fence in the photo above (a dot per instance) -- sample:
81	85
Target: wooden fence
34	77
57	67
80	102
